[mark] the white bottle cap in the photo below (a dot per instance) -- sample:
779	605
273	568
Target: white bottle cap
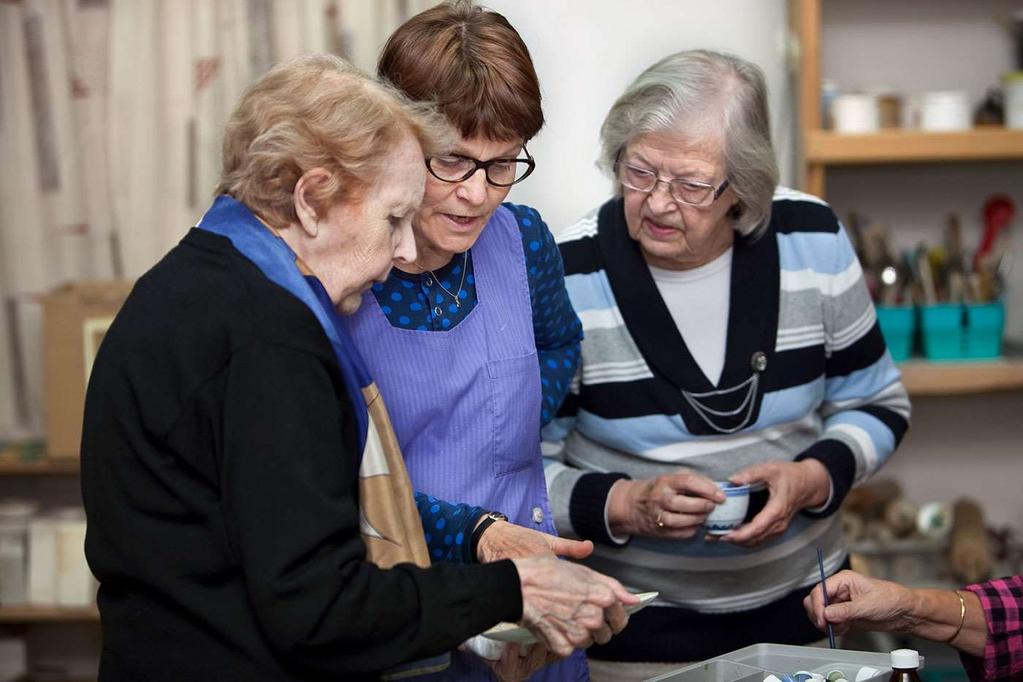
905	659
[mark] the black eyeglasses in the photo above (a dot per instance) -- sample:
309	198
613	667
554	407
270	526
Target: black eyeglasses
499	172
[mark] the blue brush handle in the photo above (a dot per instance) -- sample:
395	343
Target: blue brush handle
824	591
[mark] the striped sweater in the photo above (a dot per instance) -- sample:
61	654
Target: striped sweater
830	391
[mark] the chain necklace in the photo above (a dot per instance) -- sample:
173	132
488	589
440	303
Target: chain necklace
458	303
707	414
758	363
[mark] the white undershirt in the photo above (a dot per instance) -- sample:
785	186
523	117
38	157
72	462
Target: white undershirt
698	302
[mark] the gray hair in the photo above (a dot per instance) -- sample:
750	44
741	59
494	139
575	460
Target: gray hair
696	94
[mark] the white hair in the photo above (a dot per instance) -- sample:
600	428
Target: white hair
700	95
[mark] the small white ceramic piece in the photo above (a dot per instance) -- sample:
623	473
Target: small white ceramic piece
730	514
807	676
865	673
772	678
484	647
934	520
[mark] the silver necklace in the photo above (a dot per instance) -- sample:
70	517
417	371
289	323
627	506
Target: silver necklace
458	303
758	363
707	414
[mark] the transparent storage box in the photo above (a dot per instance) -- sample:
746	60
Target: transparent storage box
754	663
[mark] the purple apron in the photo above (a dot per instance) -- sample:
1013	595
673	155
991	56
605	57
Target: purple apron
465	403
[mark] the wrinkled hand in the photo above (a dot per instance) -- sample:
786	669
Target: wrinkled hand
792	487
669	506
503	540
518	663
568	606
861	602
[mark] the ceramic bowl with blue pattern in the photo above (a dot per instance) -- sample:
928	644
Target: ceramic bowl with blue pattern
728	515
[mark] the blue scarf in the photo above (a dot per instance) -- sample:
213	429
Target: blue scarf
230	218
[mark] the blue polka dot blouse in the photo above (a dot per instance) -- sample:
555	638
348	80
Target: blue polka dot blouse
448	528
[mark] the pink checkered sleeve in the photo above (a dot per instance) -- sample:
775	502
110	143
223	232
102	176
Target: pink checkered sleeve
1002	601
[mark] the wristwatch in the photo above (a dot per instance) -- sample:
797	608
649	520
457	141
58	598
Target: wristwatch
488	518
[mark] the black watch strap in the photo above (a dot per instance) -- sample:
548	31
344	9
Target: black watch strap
488	519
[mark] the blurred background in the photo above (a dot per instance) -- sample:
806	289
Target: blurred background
907	117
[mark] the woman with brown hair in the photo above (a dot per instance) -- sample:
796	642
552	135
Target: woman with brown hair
474	342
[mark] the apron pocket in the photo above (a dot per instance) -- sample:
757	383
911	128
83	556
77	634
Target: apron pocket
514	392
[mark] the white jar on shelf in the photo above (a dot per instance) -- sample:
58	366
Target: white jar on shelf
14	519
855	113
945	111
1013	86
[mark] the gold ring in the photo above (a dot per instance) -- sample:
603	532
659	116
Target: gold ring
660	524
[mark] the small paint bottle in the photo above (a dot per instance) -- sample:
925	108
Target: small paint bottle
905	664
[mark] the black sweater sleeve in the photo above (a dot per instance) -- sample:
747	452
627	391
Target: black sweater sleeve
289	499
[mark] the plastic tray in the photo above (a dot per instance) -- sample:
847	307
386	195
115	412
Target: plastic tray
753	663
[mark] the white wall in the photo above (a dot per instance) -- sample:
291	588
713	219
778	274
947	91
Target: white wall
587	51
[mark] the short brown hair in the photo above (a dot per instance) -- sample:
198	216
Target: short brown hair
472	64
318	111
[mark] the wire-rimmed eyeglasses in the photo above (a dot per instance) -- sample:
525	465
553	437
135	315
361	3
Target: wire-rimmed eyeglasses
500	172
682	190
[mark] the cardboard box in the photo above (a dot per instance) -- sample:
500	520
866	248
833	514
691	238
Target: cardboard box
75	319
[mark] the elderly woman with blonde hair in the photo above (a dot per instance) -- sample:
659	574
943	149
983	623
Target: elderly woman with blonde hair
729	342
250	517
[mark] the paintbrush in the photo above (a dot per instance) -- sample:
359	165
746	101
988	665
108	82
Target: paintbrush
824	591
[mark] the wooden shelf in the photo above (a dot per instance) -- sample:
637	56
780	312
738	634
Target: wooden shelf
10	466
48	614
910	146
821	149
956	378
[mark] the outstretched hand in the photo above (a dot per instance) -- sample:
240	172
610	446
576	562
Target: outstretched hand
568	606
504	540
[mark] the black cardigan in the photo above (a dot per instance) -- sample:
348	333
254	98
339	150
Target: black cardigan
219	473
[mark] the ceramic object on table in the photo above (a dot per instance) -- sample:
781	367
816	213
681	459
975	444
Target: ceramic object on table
730	514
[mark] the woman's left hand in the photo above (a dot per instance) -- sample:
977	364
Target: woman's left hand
792	487
504	540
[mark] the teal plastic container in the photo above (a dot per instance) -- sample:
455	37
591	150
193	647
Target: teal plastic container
985	323
941	328
898	323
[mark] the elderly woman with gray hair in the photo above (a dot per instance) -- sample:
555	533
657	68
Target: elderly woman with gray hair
729	337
